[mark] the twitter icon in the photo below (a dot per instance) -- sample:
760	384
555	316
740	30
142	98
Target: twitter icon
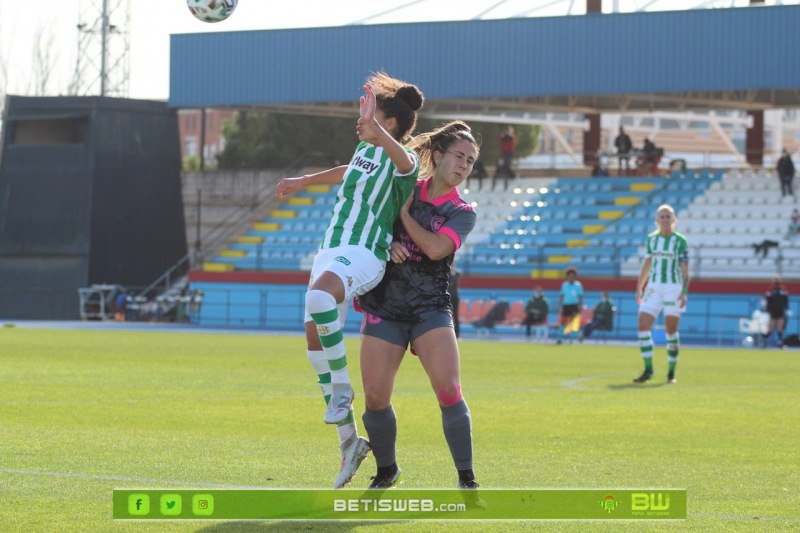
170	504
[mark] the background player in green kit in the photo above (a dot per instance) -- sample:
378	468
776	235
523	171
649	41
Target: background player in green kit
663	285
355	247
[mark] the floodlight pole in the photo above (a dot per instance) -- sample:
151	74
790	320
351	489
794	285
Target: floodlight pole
104	49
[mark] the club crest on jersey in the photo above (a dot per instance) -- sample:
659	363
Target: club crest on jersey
365	164
437	222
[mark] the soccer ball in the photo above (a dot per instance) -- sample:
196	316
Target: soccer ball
211	10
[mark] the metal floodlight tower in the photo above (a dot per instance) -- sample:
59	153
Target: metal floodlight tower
103	63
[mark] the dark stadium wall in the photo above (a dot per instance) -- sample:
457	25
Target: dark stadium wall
89	193
137	222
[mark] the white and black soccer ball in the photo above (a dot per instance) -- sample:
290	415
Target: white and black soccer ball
211	10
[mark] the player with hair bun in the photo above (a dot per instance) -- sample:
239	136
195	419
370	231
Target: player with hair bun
354	250
411	306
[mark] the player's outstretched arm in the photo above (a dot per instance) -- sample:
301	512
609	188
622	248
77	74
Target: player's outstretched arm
402	160
332	176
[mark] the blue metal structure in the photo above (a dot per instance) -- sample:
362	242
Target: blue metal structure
737	58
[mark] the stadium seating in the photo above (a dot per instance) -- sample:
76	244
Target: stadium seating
541	225
591	223
742	209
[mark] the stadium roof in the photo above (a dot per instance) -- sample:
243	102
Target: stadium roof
739	58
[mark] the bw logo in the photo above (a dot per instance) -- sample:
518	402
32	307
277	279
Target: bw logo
642	501
343	260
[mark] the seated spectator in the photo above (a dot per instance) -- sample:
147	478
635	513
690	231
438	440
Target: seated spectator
599	171
648	150
536	311
496	314
478	173
602	317
648	159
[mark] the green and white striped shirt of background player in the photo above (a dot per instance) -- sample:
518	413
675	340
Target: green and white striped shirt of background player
665	278
667	255
369	201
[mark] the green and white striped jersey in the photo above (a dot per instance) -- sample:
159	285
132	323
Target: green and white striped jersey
667	254
369	200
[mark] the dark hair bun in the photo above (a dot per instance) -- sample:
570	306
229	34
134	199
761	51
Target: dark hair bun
412	96
460	125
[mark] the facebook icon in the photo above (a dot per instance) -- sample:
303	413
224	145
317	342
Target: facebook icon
138	504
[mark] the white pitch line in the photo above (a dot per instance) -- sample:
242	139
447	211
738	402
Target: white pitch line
126	479
574	383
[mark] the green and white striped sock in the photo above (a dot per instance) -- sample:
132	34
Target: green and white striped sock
646	349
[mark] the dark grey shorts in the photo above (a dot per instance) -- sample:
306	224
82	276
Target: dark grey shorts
404	333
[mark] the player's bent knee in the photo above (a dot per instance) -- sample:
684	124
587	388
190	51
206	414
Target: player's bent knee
319	301
450	398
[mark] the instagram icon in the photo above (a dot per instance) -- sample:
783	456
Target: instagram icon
203	504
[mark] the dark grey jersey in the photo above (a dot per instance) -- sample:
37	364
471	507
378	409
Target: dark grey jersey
419	284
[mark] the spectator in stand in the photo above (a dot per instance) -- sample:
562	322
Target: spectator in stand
478	173
536	311
624	146
794	226
570	301
786	174
648	158
496	314
508	148
777	307
649	151
602	316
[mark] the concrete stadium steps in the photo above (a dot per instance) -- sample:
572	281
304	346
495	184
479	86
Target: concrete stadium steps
285	238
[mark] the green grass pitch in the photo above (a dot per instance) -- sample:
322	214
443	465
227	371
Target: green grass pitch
84	412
